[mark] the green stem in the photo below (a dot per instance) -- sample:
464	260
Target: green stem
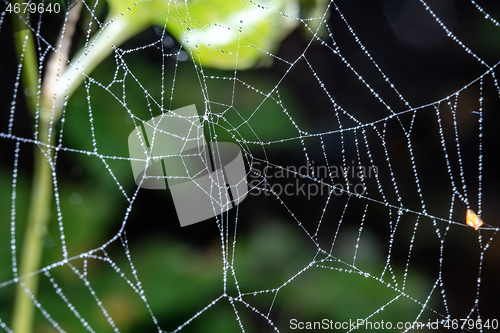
38	218
54	92
39	212
23	37
99	47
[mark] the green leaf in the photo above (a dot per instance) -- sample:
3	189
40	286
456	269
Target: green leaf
218	33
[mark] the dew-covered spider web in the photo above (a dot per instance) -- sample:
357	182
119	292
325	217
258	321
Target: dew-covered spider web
367	131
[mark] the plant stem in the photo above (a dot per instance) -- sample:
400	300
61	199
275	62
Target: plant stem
38	218
116	31
24	39
55	91
23	308
41	196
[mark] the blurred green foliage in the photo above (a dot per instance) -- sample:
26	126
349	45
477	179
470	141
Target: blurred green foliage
220	34
179	280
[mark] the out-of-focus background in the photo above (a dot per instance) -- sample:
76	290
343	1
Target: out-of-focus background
181	269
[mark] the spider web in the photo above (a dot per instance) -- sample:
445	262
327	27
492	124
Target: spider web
365	143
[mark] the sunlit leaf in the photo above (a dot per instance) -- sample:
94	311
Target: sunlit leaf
218	33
